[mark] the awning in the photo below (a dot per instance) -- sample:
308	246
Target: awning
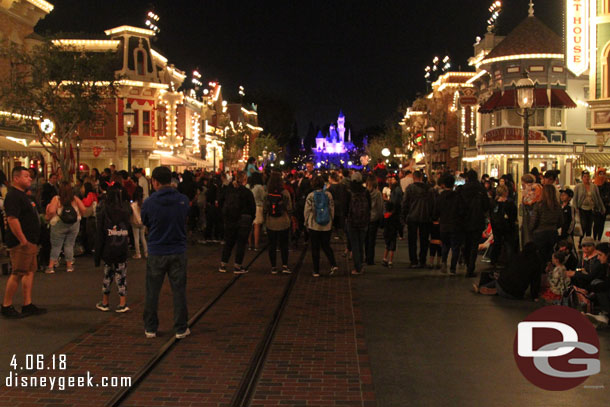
508	100
541	98
9	148
176	161
491	103
559	98
593	160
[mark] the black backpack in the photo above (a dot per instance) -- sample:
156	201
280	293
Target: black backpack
68	214
116	242
276	206
231	210
359	210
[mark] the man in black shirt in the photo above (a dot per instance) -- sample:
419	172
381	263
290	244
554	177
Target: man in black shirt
22	240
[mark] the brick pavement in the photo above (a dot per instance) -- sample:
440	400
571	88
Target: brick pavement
318	357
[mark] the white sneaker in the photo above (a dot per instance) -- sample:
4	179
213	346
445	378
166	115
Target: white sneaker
599	319
183	334
150	335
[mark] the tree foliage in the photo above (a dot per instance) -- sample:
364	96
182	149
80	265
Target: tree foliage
60	83
266	143
235	140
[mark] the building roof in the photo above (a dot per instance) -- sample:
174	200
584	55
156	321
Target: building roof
532	36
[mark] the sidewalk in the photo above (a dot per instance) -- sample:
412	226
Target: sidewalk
433	342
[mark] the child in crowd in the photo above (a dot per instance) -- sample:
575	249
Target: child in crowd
112	245
558	280
569	215
391	224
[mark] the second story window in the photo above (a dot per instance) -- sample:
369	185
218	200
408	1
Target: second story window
140	62
146	123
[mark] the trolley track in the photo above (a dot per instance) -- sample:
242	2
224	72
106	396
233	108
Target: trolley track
248	382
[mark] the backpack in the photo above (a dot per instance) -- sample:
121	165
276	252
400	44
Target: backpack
321	207
68	214
116	236
275	205
231	209
359	211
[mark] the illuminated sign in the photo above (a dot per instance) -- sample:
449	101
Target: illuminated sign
577	36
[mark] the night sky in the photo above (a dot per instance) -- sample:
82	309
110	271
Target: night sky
364	57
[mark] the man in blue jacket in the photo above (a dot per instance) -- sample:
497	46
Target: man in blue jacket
164	214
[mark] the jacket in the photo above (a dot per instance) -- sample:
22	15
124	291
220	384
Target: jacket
340	193
310	213
164	214
580	194
376	205
544	219
446	210
356	188
474	204
417	203
112	253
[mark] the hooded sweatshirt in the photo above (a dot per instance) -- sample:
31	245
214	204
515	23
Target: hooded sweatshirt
164	214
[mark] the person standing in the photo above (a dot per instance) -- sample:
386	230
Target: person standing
358	220
256	186
238	211
164	214
475	205
318	213
545	221
599	218
64	215
376	216
340	192
21	238
588	202
136	224
447	210
277	211
416	213
143	182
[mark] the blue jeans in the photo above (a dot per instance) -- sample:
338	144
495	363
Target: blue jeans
356	237
174	265
64	235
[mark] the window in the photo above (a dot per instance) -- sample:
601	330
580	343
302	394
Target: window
136	122
513	118
556	117
146	122
496	119
140	62
537	118
97	129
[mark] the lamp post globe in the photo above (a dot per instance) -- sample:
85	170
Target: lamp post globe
386	152
525	98
128	122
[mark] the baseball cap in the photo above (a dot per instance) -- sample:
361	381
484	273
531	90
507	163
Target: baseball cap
587	241
567	191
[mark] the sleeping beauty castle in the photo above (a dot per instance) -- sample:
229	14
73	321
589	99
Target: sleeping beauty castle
333	148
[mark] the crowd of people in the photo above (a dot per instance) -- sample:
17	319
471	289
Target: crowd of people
536	236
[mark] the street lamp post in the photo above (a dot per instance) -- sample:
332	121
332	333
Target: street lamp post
128	122
78	140
430	132
525	97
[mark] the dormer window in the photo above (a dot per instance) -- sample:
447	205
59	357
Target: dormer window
140	62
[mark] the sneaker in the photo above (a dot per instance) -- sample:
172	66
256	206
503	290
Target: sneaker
475	287
240	270
273	270
137	256
356	272
444	268
183	334
414	265
150	335
597	320
390	265
453	272
49	270
384	263
122	308
222	268
32	309
102	307
10	312
316	274
286	270
333	270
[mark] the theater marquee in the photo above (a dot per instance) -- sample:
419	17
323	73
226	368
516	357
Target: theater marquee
577	36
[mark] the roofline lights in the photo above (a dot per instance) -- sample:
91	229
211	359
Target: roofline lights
43	5
129	29
254	127
477	76
98	44
520	56
246	111
158	56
